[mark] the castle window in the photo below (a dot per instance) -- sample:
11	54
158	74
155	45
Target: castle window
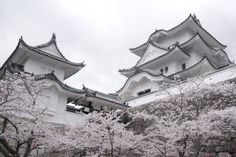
166	69
144	92
161	70
183	66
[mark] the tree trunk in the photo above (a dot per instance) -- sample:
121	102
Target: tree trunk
4	151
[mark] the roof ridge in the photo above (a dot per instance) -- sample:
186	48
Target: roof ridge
51	42
141	71
212	50
163	55
50	55
53	77
196	21
205	58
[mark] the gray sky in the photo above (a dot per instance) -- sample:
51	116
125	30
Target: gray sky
100	32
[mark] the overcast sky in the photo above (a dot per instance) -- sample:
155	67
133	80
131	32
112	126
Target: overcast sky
100	32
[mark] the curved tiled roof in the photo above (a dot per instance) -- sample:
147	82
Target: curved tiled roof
85	91
196	22
167	31
64	60
144	44
38	51
181	47
193	66
52	41
171	77
197	35
52	76
172	50
103	96
141	71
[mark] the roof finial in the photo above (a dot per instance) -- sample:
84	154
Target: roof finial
53	36
196	19
21	37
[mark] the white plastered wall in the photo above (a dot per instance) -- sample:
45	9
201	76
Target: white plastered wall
59	114
146	85
171	64
141	82
215	77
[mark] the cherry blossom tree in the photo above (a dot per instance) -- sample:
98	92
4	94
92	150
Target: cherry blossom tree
104	135
193	122
22	116
185	125
199	119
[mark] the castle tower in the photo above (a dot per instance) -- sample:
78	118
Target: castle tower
184	51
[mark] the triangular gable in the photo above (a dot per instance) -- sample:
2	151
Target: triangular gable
151	53
192	25
137	77
52	49
200	68
217	57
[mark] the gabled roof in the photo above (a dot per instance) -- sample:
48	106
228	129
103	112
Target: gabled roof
161	32
152	51
128	72
37	50
51	46
218	58
103	96
140	49
131	71
52	76
203	66
86	92
156	77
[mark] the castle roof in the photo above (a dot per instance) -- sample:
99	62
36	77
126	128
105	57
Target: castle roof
85	93
200	68
216	56
191	24
136	77
175	52
48	50
53	77
107	97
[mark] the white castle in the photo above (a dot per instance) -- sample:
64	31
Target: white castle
67	105
186	51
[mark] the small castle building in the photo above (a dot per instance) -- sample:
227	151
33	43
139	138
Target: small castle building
66	105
